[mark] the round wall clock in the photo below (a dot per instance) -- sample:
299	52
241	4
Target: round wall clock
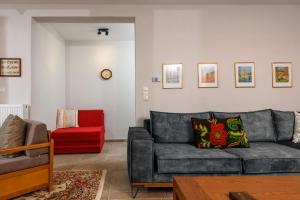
106	74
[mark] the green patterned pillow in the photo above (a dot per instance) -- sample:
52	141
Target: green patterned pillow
219	133
237	136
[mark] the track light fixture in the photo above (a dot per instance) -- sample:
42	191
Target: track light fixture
103	30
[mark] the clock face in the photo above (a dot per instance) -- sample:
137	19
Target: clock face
106	74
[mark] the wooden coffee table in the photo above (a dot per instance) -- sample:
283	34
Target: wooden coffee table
218	187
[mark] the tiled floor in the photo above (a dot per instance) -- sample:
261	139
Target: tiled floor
113	159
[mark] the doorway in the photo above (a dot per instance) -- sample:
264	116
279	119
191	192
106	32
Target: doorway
68	55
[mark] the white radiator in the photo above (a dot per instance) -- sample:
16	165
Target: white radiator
21	110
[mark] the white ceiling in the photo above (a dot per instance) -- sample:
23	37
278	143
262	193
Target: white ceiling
149	1
88	31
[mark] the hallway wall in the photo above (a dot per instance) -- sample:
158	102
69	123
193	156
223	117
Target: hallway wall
48	74
86	90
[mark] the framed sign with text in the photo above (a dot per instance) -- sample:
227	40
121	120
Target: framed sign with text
10	67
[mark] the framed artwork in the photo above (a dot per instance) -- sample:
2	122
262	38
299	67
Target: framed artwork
172	76
282	74
244	74
207	75
10	67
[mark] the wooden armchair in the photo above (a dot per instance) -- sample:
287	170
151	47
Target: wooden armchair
29	179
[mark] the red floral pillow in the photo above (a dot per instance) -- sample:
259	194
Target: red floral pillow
209	134
219	133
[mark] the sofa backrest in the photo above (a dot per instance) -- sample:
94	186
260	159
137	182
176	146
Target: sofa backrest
174	127
258	125
89	118
284	122
36	132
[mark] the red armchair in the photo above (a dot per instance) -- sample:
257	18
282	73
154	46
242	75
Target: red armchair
87	138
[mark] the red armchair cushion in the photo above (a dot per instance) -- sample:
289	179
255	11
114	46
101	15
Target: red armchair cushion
87	118
78	134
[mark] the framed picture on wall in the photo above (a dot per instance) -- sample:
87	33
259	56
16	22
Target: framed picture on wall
244	74
282	74
172	76
207	75
10	67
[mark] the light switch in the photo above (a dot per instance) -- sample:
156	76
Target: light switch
145	93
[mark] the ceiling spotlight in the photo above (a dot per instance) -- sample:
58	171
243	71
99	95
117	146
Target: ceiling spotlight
103	30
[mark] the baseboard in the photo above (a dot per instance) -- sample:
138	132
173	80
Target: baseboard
154	185
116	140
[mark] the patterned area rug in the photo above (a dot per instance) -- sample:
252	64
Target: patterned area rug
72	185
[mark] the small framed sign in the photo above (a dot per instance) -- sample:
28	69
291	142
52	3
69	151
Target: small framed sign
10	67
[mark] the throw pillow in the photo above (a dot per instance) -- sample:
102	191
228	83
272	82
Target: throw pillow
66	118
219	133
236	135
12	133
296	136
209	133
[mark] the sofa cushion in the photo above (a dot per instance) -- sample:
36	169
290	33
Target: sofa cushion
12	133
78	134
258	124
290	144
284	124
22	162
174	127
36	133
268	157
186	158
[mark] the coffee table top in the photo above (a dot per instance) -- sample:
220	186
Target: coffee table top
218	187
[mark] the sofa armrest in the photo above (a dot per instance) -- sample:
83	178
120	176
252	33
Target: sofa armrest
140	155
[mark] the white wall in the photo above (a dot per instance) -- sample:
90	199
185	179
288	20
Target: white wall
3	81
15	43
227	34
216	33
48	74
86	90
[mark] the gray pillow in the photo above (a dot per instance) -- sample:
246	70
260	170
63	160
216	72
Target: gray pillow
12	133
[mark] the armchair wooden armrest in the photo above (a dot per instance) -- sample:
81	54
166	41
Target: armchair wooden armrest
4	151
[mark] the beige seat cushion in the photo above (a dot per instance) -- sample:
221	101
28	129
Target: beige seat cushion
22	162
12	132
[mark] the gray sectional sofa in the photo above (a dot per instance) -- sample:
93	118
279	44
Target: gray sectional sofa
164	147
